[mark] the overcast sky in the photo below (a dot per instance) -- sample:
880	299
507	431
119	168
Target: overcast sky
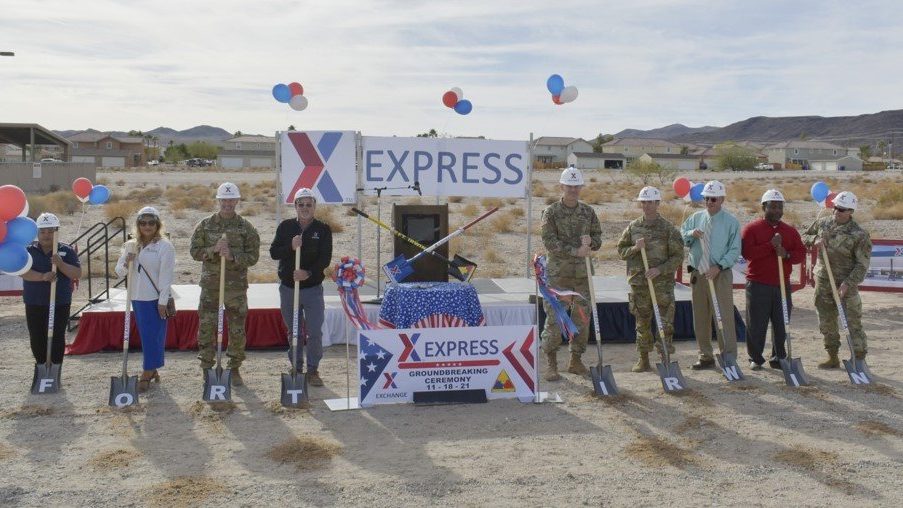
382	67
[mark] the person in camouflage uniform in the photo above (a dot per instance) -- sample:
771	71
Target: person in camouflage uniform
570	230
241	249
664	251
849	249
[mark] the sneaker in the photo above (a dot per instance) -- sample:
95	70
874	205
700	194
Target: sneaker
755	366
314	379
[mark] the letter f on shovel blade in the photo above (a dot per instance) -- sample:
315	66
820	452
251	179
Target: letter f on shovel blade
46	378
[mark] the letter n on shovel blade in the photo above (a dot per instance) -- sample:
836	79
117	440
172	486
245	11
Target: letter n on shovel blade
857	371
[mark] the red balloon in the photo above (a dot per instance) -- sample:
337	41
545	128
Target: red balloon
12	202
82	187
449	98
829	201
557	99
296	89
2	231
682	187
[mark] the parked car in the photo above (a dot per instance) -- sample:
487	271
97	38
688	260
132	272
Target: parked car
153	162
762	166
53	161
197	162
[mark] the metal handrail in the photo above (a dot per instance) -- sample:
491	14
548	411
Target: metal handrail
95	238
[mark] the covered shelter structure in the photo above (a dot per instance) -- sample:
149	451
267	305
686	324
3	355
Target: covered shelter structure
28	136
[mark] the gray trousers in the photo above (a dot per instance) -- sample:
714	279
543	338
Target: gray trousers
312	307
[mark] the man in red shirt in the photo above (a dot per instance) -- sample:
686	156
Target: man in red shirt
763	241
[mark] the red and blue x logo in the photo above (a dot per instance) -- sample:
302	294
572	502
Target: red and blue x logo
313	174
409	347
390	380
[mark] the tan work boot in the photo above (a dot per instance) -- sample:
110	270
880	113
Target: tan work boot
833	362
576	366
236	378
314	379
642	364
552	368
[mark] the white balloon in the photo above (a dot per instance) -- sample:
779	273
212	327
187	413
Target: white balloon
568	94
24	210
458	92
298	103
24	269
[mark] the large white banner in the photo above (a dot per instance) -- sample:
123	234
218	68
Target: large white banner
395	363
446	166
323	161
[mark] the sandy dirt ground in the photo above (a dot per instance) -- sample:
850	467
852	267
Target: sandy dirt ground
755	442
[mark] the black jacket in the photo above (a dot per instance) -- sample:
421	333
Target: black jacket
316	251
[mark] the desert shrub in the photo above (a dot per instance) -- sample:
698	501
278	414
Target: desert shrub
503	223
59	203
125	209
470	210
326	214
488	203
455	199
890	202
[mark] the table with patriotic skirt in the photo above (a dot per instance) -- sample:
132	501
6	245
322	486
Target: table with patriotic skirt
431	305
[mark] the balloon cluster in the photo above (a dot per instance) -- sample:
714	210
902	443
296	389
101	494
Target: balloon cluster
291	94
16	231
455	100
86	192
822	194
688	190
560	94
349	273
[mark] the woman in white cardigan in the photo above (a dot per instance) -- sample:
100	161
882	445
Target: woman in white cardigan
156	260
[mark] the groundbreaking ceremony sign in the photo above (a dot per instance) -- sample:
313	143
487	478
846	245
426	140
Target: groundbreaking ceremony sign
396	363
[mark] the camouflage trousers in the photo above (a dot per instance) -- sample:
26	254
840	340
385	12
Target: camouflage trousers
208	312
580	314
640	305
827	317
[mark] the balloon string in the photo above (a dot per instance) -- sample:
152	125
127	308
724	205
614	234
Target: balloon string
80	219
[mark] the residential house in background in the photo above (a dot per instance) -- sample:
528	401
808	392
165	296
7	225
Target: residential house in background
551	150
801	152
248	151
108	151
845	163
635	147
674	161
593	160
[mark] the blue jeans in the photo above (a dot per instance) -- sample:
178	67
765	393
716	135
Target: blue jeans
312	307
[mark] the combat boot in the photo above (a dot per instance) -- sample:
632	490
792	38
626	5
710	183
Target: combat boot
860	355
642	364
552	369
236	378
833	362
576	366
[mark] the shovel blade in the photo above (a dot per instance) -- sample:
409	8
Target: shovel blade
217	385
603	381
794	375
858	371
46	378
729	367
672	377
294	390
398	269
123	391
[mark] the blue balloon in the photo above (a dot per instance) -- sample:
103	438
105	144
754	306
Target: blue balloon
555	84
21	231
819	191
463	107
696	192
282	93
13	256
99	195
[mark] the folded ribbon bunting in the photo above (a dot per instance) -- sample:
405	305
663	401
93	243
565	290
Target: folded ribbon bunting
552	295
349	276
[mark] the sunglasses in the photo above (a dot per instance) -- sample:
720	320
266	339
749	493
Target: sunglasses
304	205
843	210
147	222
711	200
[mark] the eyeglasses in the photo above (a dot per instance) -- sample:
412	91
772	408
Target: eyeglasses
147	222
305	205
843	210
711	200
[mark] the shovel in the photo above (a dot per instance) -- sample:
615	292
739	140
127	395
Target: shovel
47	375
794	375
603	378
218	381
726	361
124	388
294	384
668	371
857	369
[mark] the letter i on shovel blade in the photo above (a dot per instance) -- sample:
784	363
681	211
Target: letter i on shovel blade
601	374
792	368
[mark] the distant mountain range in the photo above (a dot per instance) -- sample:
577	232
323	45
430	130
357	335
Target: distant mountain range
842	130
210	134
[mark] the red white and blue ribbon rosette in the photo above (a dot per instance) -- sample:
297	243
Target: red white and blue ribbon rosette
553	295
349	276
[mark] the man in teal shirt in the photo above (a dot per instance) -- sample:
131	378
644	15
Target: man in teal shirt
713	236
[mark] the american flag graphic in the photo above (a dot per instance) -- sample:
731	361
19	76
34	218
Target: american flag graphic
373	360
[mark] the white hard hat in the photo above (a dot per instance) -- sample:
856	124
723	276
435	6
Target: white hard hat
228	190
149	210
48	220
714	189
649	194
845	199
571	176
304	192
772	195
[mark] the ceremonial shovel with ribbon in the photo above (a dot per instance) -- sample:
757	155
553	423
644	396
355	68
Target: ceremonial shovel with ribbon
669	372
294	384
124	388
47	375
217	380
601	374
